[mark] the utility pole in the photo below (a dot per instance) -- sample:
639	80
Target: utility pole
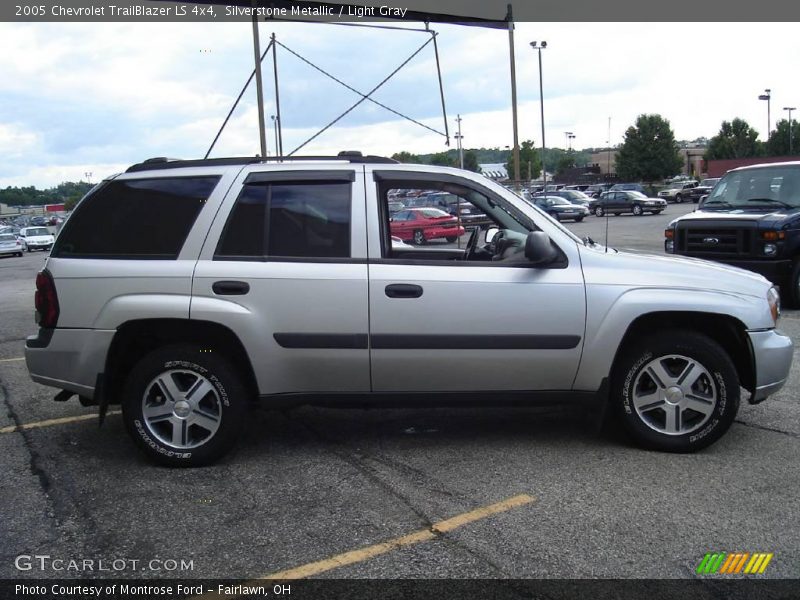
767	95
790	109
460	145
515	151
541	47
262	132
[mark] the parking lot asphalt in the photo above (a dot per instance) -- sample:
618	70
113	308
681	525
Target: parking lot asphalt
308	484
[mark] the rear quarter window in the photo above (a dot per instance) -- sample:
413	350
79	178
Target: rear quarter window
135	218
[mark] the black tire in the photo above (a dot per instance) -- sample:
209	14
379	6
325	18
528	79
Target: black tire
419	237
616	214
791	292
656	212
598	211
722	380
230	401
451	238
678	199
637	210
578	219
19	254
555	216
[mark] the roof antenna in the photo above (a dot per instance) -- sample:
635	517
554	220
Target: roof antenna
608	173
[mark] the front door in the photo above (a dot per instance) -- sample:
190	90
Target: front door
441	323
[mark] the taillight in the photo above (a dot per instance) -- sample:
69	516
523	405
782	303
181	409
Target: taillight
46	300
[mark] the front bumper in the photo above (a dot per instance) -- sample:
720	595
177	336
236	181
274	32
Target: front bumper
772	354
68	359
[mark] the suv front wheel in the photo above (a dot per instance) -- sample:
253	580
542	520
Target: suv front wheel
675	391
184	406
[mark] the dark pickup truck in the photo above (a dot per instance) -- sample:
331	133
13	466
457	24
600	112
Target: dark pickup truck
750	220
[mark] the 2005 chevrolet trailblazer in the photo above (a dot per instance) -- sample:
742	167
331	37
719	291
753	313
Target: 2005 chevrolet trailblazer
185	289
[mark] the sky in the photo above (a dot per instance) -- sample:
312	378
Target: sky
80	98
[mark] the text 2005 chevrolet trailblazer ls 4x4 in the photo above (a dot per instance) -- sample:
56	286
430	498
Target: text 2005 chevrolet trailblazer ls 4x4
184	290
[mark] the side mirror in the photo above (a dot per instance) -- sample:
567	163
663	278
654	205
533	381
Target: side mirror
538	249
489	235
702	199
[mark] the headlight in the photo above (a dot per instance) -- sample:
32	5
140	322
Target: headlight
770	249
669	246
774	300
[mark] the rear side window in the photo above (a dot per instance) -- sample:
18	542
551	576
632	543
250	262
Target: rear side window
135	218
288	220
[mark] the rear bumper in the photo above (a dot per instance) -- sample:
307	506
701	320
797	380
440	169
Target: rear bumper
772	352
68	359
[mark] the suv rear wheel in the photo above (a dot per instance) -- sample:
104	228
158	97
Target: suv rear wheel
184	406
637	210
675	391
598	211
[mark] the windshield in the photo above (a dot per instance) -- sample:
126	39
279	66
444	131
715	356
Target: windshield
558	201
770	186
635	194
6	237
709	182
37	231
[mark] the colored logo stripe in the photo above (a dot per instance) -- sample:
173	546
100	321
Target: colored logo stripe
725	564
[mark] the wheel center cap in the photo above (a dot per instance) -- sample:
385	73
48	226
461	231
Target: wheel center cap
674	395
182	408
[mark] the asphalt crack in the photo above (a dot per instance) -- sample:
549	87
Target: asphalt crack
765	428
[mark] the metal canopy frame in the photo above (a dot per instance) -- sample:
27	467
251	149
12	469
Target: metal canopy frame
414	16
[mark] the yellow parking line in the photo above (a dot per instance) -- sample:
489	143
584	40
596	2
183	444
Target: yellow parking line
362	554
51	422
12	359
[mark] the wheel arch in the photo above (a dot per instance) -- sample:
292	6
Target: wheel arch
134	339
728	331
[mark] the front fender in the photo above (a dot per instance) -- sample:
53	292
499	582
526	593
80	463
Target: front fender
611	313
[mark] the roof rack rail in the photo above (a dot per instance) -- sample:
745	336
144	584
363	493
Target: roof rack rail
162	162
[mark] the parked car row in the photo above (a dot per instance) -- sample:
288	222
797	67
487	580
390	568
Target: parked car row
25	239
626	201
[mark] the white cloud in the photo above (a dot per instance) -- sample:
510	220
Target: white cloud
153	82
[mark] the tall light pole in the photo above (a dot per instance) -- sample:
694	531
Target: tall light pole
275	127
571	137
458	137
567	137
766	96
790	109
539	47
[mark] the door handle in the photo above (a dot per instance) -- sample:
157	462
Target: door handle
403	290
230	288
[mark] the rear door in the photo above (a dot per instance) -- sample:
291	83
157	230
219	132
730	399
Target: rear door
284	267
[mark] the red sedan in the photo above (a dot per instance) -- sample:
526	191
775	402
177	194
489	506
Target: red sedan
419	225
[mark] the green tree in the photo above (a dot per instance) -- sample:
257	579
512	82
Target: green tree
443	159
471	161
736	139
406	157
530	166
565	163
649	152
778	143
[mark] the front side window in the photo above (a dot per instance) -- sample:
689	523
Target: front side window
134	218
288	220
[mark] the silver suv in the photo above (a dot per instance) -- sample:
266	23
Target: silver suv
184	290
